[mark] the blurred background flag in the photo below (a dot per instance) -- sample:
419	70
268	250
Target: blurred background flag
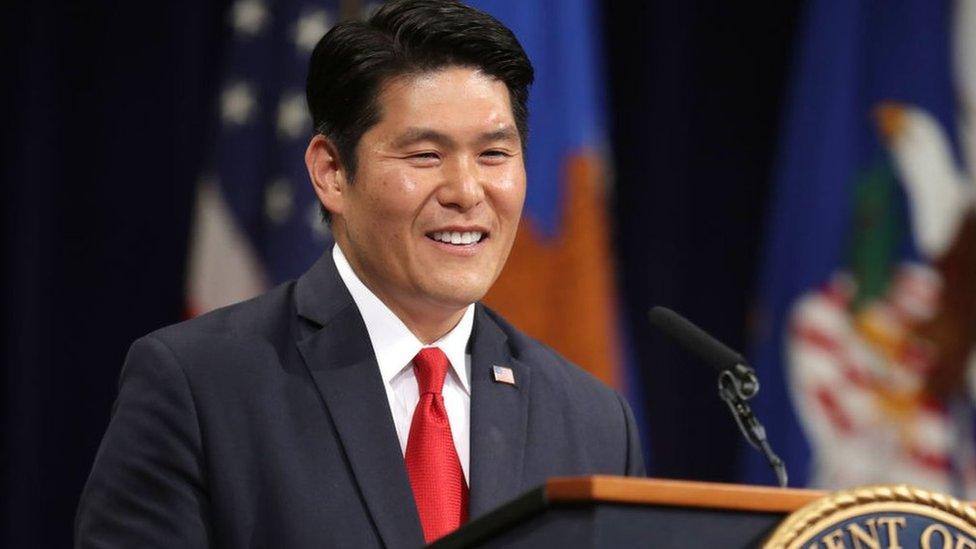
867	312
257	220
559	283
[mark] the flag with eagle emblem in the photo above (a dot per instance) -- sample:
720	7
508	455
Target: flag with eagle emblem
867	313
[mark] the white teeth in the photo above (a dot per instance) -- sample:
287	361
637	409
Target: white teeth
457	238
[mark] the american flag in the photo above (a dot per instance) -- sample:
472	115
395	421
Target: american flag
257	220
503	374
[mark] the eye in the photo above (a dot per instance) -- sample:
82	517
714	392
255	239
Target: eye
424	158
495	156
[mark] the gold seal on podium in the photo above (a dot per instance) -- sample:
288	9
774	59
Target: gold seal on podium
879	517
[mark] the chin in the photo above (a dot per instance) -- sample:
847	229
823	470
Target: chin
459	300
457	296
460	285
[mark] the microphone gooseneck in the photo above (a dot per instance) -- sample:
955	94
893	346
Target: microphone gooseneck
737	382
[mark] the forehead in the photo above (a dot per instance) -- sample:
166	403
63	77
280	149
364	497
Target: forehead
454	97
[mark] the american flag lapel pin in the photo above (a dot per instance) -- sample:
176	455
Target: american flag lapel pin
503	374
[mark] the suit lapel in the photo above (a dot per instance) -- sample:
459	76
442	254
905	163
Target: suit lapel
340	358
499	415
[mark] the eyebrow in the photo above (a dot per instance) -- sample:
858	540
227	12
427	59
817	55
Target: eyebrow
415	135
501	134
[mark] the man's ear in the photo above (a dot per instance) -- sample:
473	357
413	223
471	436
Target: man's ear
327	173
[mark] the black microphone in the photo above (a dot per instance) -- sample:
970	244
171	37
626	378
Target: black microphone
710	350
737	382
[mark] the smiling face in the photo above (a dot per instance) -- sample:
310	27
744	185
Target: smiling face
432	212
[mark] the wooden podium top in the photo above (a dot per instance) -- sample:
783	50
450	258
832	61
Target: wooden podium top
679	493
569	492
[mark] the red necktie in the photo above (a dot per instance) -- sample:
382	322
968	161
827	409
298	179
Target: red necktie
432	461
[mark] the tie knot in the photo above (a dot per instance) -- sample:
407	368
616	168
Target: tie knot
430	367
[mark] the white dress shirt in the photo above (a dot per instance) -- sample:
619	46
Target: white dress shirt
395	346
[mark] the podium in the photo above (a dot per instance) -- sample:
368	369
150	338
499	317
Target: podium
605	511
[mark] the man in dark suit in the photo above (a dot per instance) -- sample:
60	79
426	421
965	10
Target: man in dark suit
373	402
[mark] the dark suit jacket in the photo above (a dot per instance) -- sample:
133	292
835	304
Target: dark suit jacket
266	424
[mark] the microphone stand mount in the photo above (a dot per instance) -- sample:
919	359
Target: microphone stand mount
736	386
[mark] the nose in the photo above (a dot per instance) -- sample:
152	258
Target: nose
463	188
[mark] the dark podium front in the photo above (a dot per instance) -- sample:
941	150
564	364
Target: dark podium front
603	511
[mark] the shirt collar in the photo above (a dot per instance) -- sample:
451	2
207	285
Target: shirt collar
393	343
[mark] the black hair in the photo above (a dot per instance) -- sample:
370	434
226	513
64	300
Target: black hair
352	61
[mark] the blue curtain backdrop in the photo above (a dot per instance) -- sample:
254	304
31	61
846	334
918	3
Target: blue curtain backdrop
695	93
108	121
104	126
